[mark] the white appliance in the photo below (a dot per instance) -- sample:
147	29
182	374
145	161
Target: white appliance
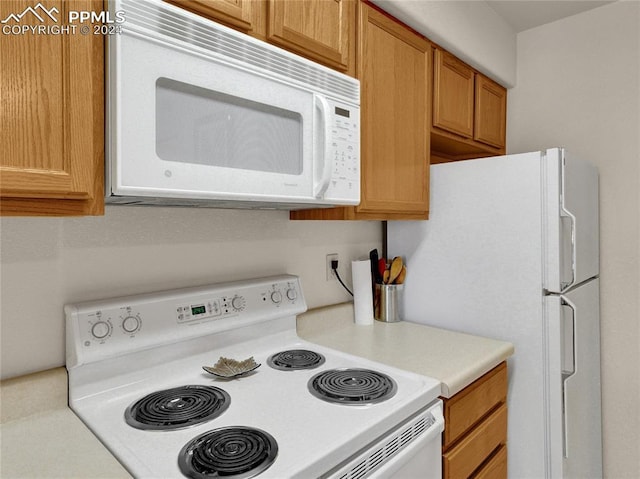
511	252
201	115
136	379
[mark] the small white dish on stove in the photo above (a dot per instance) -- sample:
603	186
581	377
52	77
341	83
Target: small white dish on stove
228	368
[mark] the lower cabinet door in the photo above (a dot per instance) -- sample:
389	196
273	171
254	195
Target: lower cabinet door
468	455
496	467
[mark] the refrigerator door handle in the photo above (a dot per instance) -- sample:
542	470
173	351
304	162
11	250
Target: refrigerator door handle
574	259
578	190
568	362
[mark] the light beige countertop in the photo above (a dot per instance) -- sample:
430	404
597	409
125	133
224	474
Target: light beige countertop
35	420
456	359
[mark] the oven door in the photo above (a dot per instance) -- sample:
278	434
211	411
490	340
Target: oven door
412	450
186	125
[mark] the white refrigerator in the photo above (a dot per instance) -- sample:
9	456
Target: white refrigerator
511	252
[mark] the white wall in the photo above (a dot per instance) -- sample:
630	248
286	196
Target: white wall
47	262
578	86
471	30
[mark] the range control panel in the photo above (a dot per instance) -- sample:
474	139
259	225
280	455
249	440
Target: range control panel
101	329
271	296
102	325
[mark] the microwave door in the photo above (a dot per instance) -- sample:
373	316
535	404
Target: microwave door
200	126
187	126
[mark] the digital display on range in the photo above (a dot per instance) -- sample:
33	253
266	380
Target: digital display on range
342	112
198	309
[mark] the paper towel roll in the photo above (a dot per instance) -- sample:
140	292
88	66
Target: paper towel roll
362	296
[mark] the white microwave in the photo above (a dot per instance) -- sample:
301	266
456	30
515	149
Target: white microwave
201	115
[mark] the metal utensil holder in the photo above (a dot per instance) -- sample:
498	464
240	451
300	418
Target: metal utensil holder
387	302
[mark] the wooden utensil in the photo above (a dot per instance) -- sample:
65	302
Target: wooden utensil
402	275
396	268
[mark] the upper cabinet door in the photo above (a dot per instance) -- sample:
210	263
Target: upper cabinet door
452	94
51	125
491	112
247	16
394	71
323	30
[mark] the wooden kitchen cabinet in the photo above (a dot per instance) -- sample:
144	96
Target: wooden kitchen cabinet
394	69
247	16
469	112
475	435
490	126
453	90
322	30
495	467
52	122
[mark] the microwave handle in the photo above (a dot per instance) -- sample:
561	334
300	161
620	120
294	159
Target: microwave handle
325	178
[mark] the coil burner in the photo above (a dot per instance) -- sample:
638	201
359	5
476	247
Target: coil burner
231	452
295	359
352	386
177	408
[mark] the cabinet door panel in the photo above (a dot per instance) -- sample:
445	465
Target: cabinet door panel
51	127
472	451
452	95
319	29
393	68
467	408
247	16
33	114
490	112
496	467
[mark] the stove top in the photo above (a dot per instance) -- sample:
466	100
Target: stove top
352	386
294	359
179	407
113	389
229	452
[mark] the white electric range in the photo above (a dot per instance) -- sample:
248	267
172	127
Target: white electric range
136	379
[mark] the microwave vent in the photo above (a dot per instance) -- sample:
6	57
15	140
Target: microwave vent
157	21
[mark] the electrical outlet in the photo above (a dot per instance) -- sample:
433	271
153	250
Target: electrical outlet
330	274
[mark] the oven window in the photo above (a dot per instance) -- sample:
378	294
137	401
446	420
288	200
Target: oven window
196	125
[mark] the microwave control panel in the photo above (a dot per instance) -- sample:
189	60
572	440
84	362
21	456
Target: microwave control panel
345	153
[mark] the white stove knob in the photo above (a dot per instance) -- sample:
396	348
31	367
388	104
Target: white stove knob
130	324
100	330
292	294
238	303
276	297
